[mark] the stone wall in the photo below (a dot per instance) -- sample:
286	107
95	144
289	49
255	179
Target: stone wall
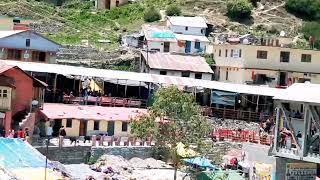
125	152
67	155
81	154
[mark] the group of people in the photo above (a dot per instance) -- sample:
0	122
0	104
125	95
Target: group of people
265	126
23	134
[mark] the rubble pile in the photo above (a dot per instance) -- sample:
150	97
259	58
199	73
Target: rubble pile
234	124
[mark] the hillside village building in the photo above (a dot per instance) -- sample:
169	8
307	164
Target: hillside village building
181	35
190	66
109	4
273	65
26	45
18	91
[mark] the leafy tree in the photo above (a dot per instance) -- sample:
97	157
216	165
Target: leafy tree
174	117
239	9
173	10
152	15
309	9
312	29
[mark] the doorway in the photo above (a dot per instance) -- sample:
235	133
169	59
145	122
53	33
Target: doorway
83	128
57	125
187	47
107	4
166	47
110	128
283	79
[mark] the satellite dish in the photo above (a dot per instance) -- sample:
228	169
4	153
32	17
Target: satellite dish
245	41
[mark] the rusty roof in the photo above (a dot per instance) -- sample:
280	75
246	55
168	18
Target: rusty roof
178	62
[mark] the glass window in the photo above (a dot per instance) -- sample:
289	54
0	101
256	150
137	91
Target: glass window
305	57
96	125
262	54
198	75
0	93
197	45
185	74
231	53
27	42
226	52
186	28
219	52
284	56
124	126
5	93
69	123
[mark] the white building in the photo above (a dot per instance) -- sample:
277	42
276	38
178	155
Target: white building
271	64
176	65
190	33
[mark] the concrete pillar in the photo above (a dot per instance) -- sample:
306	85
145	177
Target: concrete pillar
7	122
101	141
61	141
94	140
276	131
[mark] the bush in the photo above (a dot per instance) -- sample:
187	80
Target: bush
308	9
173	10
239	9
312	29
152	15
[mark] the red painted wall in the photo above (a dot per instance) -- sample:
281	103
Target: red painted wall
23	92
7	122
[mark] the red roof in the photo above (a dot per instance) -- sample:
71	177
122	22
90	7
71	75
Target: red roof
69	111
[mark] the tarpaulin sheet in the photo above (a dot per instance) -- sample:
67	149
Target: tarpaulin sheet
224	98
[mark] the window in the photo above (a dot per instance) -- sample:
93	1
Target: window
262	54
219	52
305	57
197	45
163	72
185	74
186	28
284	56
69	123
235	53
117	3
124	126
227	75
226	52
4	93
0	93
27	42
198	76
96	125
202	31
14	54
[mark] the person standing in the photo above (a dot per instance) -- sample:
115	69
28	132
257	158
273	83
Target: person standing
62	131
49	131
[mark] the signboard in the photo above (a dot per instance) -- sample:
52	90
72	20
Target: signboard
26	55
301	171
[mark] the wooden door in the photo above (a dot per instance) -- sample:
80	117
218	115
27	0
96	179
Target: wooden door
83	128
110	128
166	46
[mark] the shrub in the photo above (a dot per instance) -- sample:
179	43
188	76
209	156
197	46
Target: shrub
152	15
312	29
173	10
239	9
308	9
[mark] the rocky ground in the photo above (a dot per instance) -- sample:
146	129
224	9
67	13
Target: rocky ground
234	124
135	168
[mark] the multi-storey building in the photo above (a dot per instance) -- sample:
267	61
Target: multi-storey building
273	65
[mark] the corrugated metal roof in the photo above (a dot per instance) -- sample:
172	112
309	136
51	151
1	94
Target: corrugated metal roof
191	38
301	92
66	111
188	21
4	34
108	75
157	60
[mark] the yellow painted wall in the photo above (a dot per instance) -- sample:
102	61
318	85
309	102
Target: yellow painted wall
90	125
118	129
103	126
74	130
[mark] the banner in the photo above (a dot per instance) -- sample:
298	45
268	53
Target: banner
301	171
222	97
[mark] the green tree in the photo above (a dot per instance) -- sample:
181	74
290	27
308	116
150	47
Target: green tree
239	9
152	15
312	29
174	117
173	10
308	9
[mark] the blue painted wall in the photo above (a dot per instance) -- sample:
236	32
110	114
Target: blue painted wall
18	41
